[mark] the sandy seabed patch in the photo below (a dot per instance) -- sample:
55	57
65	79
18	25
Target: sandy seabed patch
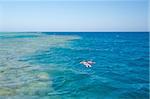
20	78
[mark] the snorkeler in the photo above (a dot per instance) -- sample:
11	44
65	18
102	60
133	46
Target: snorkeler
87	63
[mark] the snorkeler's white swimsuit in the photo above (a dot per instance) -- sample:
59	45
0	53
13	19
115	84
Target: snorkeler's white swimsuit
86	64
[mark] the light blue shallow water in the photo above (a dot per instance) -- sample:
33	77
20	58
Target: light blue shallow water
46	65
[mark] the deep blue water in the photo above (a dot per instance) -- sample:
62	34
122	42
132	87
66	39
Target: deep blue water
121	70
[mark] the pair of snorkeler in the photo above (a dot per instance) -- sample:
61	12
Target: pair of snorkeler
87	63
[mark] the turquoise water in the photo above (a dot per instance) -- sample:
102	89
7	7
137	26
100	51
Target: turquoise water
46	65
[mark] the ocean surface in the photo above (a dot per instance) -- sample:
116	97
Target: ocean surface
46	65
